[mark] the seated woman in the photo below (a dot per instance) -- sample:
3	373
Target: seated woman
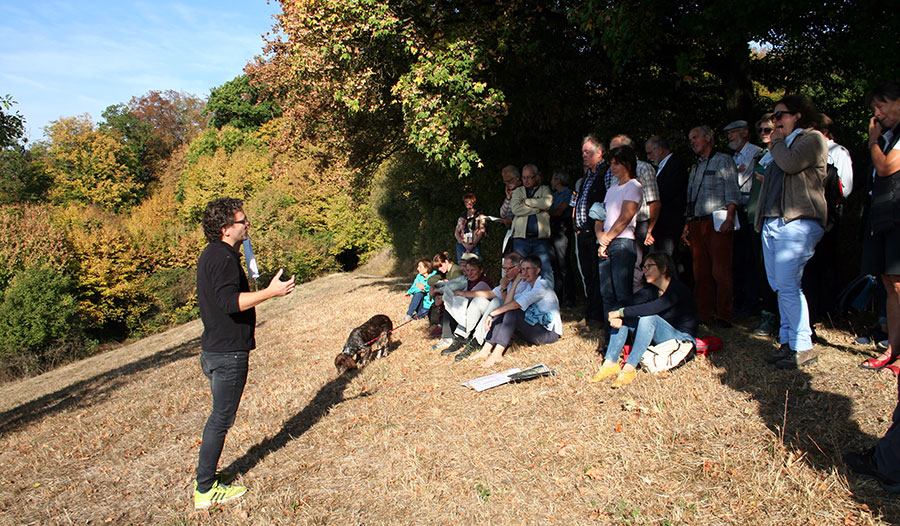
463	309
533	315
446	270
665	311
421	301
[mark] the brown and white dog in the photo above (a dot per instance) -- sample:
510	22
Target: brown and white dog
372	337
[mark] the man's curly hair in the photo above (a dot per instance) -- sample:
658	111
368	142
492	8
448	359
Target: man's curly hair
218	215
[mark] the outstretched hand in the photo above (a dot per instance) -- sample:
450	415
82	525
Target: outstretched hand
280	288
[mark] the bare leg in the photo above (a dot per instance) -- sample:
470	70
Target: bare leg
483	353
495	357
892	306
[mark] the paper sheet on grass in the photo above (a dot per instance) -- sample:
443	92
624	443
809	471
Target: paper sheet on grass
484	383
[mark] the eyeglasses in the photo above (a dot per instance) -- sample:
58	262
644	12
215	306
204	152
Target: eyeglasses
242	221
763	130
781	113
507	269
648	265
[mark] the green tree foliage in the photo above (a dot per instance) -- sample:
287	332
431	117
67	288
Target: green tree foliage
239	104
37	315
12	125
90	166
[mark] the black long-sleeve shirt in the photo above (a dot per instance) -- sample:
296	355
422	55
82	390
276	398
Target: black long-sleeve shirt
220	280
676	305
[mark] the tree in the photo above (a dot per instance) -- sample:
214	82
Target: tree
12	125
239	104
90	166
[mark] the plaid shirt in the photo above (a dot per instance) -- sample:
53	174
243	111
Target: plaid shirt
579	200
712	186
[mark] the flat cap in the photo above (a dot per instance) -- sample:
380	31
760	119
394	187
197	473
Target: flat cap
735	125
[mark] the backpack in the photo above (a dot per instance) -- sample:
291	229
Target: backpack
834	196
667	355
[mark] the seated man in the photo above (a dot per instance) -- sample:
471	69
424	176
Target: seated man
533	314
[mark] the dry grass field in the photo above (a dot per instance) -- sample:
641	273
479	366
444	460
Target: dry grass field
723	440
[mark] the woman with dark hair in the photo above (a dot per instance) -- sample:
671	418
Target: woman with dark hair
791	215
881	255
666	311
470	229
618	252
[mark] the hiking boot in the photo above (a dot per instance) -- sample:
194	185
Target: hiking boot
442	344
768	324
219	493
624	378
470	347
607	371
864	465
783	352
798	359
455	346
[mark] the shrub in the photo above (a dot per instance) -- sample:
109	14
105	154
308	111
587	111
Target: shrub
37	316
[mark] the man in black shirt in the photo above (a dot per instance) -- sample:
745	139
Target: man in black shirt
229	320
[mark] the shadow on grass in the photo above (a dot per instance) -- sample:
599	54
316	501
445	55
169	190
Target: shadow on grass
815	423
328	396
92	390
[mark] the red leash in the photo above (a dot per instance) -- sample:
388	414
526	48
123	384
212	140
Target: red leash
414	318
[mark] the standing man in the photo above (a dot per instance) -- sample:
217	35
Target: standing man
589	189
512	179
229	322
672	179
561	237
712	190
746	293
531	227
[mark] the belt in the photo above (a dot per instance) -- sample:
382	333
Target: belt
701	218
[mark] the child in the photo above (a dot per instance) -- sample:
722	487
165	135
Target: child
421	301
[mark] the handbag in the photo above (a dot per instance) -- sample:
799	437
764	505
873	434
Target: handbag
667	355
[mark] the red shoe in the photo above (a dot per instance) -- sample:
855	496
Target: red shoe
435	331
878	363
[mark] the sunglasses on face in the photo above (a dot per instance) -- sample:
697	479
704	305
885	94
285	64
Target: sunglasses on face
763	130
781	113
244	221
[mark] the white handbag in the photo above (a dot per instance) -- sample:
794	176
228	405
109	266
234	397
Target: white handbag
666	355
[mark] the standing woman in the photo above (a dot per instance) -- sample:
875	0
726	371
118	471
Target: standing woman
791	215
618	252
881	242
470	229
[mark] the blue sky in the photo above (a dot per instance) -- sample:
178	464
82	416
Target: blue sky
61	58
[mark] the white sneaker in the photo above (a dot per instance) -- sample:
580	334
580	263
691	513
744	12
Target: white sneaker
442	344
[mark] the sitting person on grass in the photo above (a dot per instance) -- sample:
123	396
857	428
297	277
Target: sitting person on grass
421	301
665	311
533	315
461	314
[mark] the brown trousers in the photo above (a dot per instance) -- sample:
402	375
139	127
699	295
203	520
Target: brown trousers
713	286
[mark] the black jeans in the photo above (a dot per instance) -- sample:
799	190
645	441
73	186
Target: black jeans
227	374
586	246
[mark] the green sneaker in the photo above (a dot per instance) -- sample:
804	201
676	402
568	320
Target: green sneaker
470	347
217	494
455	345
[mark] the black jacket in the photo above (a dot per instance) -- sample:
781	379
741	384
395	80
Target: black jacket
220	280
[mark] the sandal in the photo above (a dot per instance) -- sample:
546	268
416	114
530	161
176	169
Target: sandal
878	363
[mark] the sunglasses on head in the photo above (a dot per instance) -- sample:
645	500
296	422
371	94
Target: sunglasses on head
781	113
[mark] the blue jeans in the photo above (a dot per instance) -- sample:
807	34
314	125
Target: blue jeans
416	306
227	374
527	246
648	330
617	274
786	249
460	250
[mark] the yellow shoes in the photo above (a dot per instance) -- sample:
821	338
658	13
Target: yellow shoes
607	371
624	378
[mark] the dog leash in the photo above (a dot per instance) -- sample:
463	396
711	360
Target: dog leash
414	318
